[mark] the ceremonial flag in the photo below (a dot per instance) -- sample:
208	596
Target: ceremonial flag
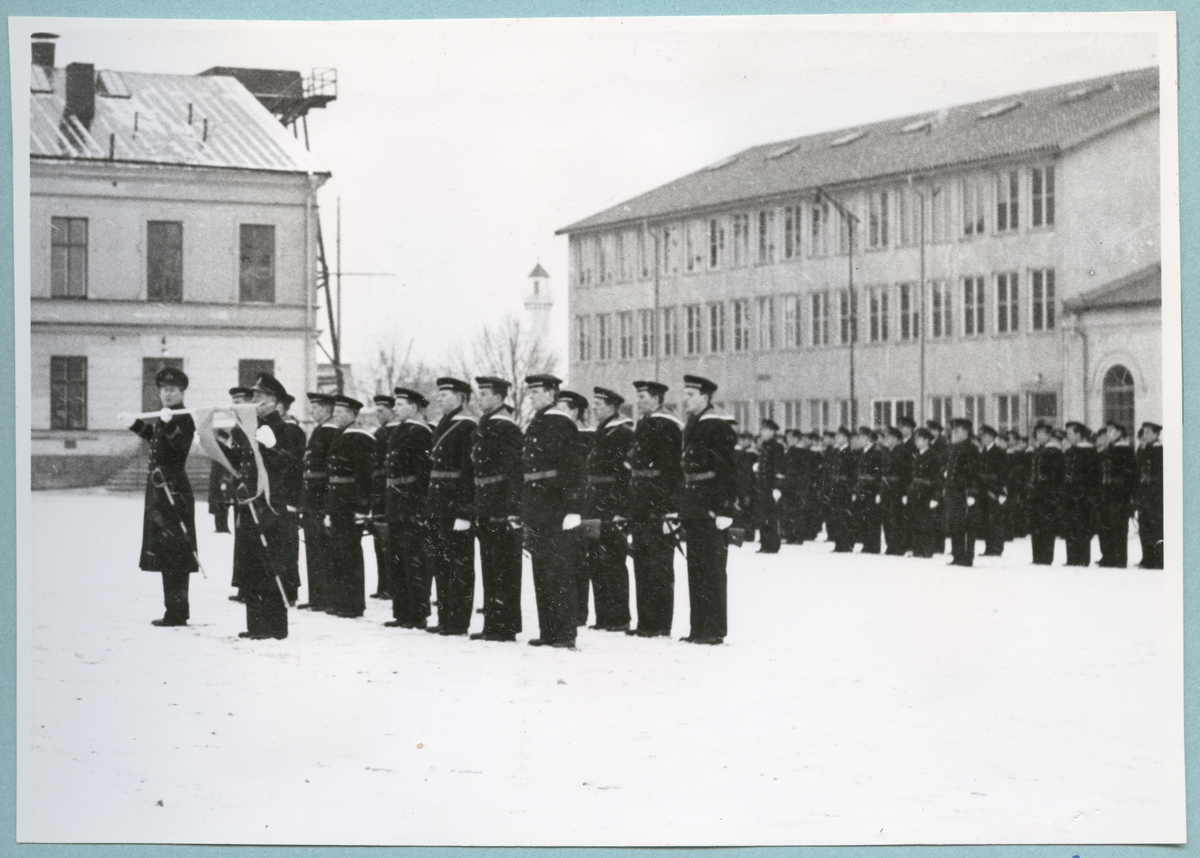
246	418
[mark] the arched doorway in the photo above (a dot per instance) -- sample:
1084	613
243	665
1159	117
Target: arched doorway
1118	396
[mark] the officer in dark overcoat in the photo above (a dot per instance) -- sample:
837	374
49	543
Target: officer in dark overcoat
1080	491
655	484
288	493
816	504
407	465
450	509
384	423
586	551
923	498
351	465
841	465
1150	496
993	492
220	481
866	497
768	480
706	509
1017	471
313	498
608	481
169	518
894	482
1118	486
941	449
551	509
1044	493
961	492
745	457
260	537
496	460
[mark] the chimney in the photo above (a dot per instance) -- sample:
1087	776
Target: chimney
81	92
43	49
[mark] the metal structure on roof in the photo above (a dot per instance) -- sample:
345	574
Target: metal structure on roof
286	94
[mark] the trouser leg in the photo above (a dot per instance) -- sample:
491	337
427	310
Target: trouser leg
175	596
707	583
654	574
500	565
453	555
611	580
316	562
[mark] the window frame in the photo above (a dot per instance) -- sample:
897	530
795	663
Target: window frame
65	226
247	293
66	393
1008	205
153	227
1043	311
974	316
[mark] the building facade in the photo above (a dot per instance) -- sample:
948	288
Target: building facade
918	266
173	221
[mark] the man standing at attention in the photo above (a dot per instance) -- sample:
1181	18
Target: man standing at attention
313	496
407	482
607	500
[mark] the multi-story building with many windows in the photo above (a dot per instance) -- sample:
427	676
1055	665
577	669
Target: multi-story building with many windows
173	221
948	264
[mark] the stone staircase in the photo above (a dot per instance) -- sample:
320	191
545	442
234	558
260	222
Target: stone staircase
132	477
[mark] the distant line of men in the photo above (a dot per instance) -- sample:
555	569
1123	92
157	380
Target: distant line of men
908	488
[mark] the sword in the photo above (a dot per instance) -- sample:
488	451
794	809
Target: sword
266	548
159	480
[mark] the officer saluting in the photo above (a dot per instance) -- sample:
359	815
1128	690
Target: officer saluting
655	484
550	508
169	522
496	459
706	508
607	500
406	480
449	509
313	497
351	462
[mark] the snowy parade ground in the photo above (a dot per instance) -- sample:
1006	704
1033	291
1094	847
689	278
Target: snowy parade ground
857	699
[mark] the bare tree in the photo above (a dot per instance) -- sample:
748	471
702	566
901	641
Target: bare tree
507	350
393	366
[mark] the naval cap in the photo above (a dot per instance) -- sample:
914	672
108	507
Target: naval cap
348	402
448	383
544	379
654	388
171	375
610	396
413	396
269	384
700	383
497	385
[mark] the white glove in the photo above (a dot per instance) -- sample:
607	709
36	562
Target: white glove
292	509
265	436
723	522
754	467
165	415
970	501
360	518
776	493
462	524
878	498
572	521
328	522
904	500
1002	499
933	504
125	418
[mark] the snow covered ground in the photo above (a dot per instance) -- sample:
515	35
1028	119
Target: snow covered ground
857	700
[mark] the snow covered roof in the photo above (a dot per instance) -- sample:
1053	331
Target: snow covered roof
1141	288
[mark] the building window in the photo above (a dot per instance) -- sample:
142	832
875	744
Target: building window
905	408
625	334
791	321
766	237
68	257
974	200
1042	291
848	413
908	212
583	339
644	252
670	332
766	411
793	413
791	232
766	324
1006	303
604	336
973	318
741	240
604	263
1118	396
1044	406
741	415
877	299
877	220
940	219
671	249
882	412
716	243
741	325
646	332
819	227
716	327
164	261
939	299
910	313
820	318
848	314
941	409
818	415
68	392
1008	186
1008	412
973	410
257	274
251	368
1043	196
694	326
696	245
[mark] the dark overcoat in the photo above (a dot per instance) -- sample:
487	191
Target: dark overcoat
166	545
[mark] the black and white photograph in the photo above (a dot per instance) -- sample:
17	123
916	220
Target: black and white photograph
653	431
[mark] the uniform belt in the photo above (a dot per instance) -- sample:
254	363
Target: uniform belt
917	481
698	478
400	481
601	481
378	473
315	475
444	475
490	481
341	481
653	472
541	475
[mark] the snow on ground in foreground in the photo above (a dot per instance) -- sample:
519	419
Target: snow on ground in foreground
857	700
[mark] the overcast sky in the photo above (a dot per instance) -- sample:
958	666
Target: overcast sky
458	148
